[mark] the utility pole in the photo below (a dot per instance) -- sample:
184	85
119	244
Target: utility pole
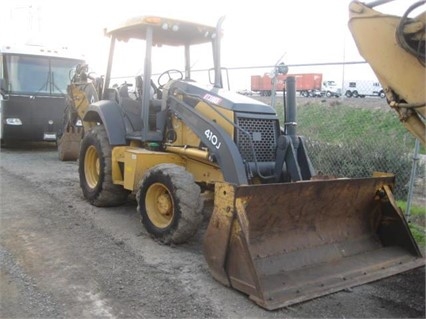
279	68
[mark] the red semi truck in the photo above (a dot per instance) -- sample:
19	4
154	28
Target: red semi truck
307	84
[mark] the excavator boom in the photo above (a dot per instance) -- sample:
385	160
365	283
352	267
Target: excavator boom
396	53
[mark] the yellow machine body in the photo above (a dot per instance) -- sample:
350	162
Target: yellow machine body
137	161
278	232
286	243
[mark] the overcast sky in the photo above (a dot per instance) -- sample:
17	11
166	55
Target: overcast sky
302	31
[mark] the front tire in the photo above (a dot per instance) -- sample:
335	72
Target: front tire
95	170
170	204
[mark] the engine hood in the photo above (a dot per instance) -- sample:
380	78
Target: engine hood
223	98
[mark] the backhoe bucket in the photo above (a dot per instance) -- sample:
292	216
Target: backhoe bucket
69	143
286	243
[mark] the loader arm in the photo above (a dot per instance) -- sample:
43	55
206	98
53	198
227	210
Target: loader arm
396	53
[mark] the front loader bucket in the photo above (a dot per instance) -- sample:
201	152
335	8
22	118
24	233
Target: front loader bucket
286	243
69	143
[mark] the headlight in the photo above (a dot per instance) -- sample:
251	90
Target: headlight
13	121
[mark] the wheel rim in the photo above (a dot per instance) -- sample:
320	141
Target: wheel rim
159	205
92	166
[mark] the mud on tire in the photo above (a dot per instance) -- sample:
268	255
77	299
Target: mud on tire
95	170
170	204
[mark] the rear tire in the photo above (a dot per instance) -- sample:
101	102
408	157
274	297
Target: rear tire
95	170
170	204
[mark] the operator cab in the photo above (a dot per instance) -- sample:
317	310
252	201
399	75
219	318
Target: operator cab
144	117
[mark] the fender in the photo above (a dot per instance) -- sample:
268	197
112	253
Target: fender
109	114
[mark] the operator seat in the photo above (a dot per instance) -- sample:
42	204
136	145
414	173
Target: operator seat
123	91
132	109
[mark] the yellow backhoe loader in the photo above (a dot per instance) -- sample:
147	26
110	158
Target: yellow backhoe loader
83	90
278	232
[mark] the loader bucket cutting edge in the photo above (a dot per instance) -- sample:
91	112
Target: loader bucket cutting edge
286	243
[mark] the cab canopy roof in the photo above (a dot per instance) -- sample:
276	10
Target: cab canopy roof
166	31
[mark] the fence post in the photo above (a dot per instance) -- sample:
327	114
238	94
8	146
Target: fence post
274	84
412	179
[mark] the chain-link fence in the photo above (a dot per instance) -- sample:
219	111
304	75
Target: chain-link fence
354	133
348	141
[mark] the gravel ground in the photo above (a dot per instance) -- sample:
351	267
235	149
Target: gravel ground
63	258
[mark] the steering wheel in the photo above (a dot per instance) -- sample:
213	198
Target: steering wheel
172	74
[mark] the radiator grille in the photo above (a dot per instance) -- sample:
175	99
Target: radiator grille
264	135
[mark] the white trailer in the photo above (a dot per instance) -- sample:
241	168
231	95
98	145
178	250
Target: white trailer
363	88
